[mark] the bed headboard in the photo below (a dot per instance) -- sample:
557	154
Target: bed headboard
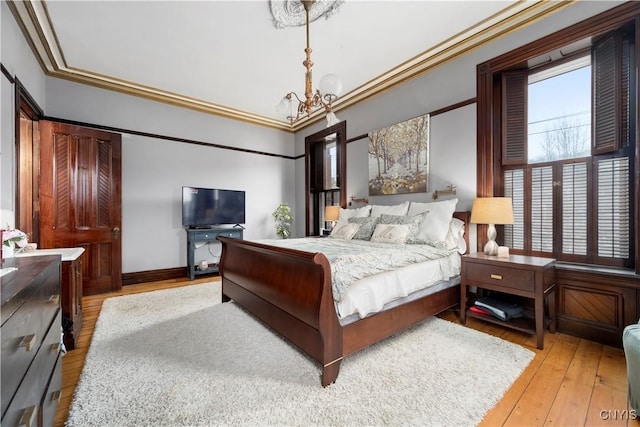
464	216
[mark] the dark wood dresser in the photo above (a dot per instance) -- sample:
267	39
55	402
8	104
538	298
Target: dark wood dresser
31	340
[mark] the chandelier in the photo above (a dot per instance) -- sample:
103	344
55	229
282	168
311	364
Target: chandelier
330	88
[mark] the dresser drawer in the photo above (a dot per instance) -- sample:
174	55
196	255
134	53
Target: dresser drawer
204	235
506	277
29	396
24	332
51	397
236	234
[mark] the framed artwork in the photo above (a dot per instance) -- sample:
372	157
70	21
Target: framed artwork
399	158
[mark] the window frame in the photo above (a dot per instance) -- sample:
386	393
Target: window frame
489	106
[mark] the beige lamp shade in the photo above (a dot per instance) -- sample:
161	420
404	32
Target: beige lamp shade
331	213
492	210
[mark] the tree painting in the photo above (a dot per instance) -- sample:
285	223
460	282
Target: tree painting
399	158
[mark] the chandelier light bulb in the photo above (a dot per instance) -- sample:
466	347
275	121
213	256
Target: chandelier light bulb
331	84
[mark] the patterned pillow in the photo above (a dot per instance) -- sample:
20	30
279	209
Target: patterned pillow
412	221
367	225
344	231
390	233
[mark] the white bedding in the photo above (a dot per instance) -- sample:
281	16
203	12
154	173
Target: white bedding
361	289
371	294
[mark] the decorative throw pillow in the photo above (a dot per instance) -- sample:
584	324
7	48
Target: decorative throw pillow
344	231
399	209
435	227
367	225
345	214
412	221
390	233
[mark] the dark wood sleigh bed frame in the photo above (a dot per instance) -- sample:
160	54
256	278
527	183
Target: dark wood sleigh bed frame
290	291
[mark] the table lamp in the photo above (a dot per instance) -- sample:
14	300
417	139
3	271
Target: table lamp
331	214
492	211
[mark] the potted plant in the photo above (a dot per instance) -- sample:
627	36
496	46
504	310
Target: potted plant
283	218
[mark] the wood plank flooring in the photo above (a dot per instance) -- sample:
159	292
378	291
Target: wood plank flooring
572	382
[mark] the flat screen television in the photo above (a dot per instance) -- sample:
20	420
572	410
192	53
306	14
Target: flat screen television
205	207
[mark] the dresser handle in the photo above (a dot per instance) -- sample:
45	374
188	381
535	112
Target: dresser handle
496	276
55	298
28	342
26	419
55	348
55	396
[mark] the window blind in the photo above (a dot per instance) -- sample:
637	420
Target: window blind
513	235
574	208
613	208
542	209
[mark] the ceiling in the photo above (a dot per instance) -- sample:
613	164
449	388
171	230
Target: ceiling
228	58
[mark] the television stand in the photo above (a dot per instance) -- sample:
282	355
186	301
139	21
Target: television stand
207	235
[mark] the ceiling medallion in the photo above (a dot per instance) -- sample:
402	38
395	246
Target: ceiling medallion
291	13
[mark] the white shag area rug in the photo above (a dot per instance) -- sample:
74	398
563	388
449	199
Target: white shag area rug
179	357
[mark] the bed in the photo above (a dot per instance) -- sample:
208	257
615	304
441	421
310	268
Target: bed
291	291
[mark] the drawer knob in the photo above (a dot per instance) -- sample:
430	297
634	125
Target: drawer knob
496	276
55	396
55	348
26	419
28	342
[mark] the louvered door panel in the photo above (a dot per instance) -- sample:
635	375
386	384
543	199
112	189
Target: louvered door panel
605	102
514	112
63	148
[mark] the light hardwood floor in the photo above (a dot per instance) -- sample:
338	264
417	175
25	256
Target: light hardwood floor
572	382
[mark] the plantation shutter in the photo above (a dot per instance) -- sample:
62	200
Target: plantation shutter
513	235
574	208
613	208
606	80
514	113
542	209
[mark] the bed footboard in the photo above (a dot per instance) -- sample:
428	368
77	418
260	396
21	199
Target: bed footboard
288	290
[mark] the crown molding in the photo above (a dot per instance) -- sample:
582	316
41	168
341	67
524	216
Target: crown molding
33	18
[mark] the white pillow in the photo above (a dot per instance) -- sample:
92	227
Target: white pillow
435	226
390	233
344	231
455	236
345	214
400	209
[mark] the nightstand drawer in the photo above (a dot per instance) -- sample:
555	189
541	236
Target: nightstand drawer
501	276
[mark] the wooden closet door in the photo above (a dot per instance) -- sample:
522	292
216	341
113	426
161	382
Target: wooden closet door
80	200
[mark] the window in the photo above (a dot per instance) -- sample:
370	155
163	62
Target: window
568	151
326	174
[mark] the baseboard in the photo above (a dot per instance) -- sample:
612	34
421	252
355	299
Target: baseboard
154	275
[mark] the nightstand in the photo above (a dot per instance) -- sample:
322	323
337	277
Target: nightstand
524	276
